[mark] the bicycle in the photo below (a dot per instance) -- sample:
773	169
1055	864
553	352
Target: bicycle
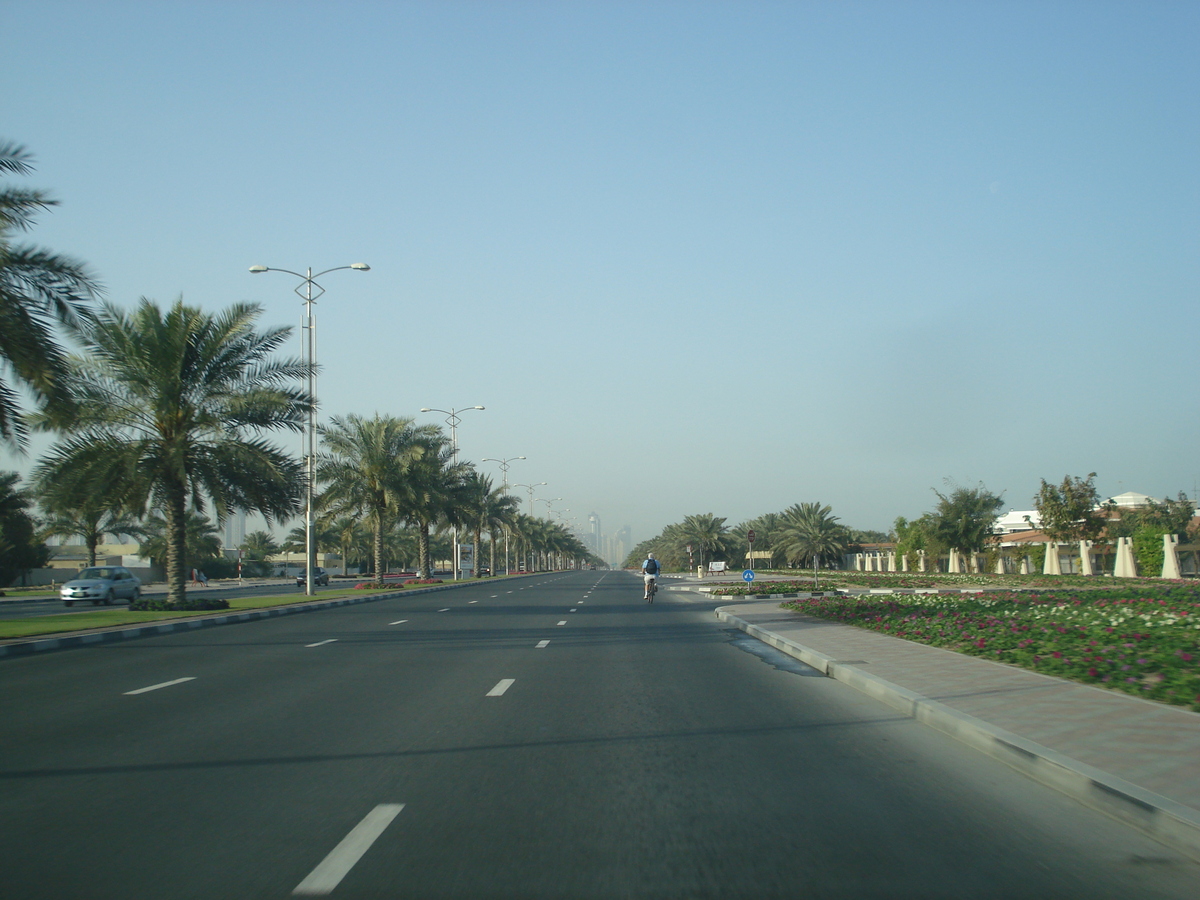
651	589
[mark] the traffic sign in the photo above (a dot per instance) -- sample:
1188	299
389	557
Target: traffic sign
748	576
750	535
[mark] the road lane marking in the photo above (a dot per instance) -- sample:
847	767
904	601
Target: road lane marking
401	622
322	643
341	859
501	686
542	645
447	609
155	687
472	601
573	610
563	622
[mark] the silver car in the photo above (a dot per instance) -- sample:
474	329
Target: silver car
102	584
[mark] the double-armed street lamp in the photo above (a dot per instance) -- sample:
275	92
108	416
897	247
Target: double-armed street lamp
503	468
305	289
453	419
530	488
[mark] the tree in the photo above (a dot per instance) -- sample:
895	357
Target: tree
1070	511
485	509
257	549
202	541
38	290
705	532
172	406
367	470
811	531
20	548
432	492
88	519
964	519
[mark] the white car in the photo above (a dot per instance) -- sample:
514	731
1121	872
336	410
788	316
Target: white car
102	584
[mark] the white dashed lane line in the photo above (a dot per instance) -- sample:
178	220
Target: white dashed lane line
322	643
401	622
447	609
563	622
472	601
341	859
575	609
501	686
155	687
542	645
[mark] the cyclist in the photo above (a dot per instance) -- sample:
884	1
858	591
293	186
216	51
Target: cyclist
650	570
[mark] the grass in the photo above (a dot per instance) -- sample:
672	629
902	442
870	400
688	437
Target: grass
110	618
1142	640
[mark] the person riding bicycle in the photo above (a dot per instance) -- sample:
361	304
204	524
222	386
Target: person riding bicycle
650	570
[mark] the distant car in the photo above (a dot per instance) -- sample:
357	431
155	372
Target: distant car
102	584
320	577
484	570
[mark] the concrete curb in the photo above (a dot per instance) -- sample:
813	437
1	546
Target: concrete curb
27	647
1161	818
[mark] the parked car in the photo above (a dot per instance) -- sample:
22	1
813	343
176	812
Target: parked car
320	577
102	584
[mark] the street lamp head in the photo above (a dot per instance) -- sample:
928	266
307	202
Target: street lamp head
426	409
478	407
362	267
257	269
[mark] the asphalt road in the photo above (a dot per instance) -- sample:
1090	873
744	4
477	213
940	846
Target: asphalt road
547	737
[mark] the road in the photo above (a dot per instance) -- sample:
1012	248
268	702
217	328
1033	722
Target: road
544	737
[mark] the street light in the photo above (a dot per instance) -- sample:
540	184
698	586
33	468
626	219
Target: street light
453	421
503	468
308	282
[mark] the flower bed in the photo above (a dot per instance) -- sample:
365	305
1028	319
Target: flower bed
1144	641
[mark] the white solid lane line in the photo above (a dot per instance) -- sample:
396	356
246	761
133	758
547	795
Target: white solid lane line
155	687
563	622
322	643
401	622
542	645
341	859
501	686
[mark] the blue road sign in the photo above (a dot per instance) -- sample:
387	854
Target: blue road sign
748	576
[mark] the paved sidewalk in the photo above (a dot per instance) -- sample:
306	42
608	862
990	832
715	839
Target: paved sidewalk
1134	759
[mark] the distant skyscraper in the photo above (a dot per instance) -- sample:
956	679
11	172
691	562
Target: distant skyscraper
596	545
235	531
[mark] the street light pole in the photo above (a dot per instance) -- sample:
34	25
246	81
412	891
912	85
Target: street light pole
452	421
504	468
308	282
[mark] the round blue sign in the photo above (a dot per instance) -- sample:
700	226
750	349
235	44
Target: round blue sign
748	575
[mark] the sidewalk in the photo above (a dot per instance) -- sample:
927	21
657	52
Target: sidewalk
1134	759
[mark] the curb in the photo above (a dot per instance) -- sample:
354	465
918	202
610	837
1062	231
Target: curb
1162	818
28	647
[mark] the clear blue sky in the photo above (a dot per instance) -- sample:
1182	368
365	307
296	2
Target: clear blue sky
693	257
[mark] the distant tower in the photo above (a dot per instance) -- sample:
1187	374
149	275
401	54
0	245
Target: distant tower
594	536
235	531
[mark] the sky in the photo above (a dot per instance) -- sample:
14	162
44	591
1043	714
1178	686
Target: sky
691	257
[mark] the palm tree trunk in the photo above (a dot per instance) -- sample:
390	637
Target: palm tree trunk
93	540
423	567
175	515
492	547
475	552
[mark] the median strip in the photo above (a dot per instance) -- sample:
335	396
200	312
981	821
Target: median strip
342	858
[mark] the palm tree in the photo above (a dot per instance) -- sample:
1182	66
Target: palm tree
367	470
86	519
485	509
171	410
20	547
433	491
202	541
257	548
811	532
38	289
705	532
